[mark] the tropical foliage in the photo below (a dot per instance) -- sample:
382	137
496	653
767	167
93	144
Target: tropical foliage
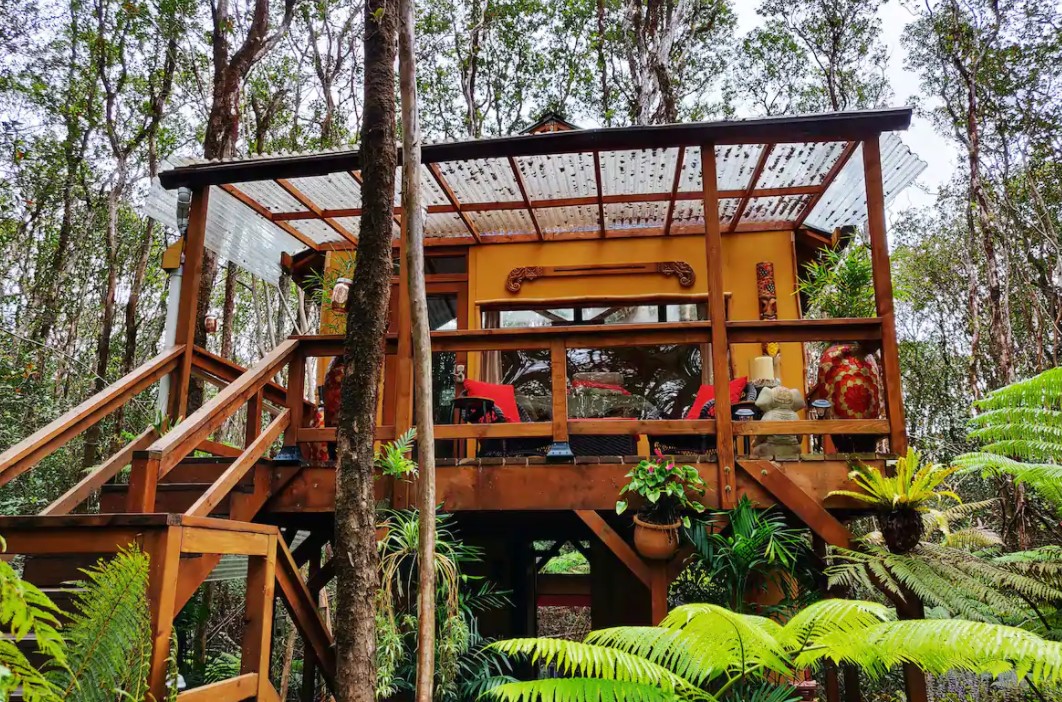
104	652
464	668
393	458
1019	429
668	491
739	553
706	652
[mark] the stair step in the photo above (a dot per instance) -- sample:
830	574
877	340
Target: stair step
169	497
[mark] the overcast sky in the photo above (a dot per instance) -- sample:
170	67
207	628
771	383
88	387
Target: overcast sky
939	153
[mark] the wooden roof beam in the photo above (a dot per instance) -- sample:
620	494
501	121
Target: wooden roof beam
309	204
600	193
676	181
755	178
568	202
263	211
449	193
831	175
356	175
519	178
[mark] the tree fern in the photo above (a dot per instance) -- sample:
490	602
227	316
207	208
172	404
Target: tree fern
25	611
109	637
703	652
1020	429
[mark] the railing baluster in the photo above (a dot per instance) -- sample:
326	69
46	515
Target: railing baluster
558	370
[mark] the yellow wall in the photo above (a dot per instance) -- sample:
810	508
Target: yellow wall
489	265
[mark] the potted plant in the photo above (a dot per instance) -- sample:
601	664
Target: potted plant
902	497
665	489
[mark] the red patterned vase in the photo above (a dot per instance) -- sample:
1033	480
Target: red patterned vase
850	379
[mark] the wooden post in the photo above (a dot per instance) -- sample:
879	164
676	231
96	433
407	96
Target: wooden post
309	660
191	273
164	551
258	617
558	370
879	255
724	430
143	482
295	399
254	419
658	586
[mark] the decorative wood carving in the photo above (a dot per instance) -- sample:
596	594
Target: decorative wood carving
680	270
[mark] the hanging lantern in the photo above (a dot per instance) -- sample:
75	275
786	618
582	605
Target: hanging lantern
210	322
341	295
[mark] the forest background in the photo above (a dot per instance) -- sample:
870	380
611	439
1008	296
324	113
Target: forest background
96	95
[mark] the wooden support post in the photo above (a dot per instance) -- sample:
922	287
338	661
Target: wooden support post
295	400
143	481
254	419
558	370
309	660
191	273
658	587
879	255
164	551
724	430
258	617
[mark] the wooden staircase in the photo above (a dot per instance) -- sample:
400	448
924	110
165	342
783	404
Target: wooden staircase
185	510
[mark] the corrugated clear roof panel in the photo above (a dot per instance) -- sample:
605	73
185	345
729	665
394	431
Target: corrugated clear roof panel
352	224
845	202
334	191
798	164
444	224
270	196
636	215
502	222
735	164
691	170
638	171
430	192
317	230
559	220
233	231
774	211
558	176
727	210
481	180
689	212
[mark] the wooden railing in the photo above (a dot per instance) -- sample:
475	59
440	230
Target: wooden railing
27	453
559	340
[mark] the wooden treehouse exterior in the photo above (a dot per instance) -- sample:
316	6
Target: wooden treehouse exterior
574	272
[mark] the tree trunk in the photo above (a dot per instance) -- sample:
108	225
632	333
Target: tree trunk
413	231
356	574
228	310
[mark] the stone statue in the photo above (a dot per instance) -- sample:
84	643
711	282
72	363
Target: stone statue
778	404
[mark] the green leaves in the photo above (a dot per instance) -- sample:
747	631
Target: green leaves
912	486
667	489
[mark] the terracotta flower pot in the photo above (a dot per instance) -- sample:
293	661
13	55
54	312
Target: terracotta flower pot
658	542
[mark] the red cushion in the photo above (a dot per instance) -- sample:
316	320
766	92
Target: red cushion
590	384
504	397
707	392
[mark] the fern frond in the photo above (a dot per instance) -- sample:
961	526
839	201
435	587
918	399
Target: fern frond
827	617
109	637
741	641
581	690
1044	390
572	658
938	646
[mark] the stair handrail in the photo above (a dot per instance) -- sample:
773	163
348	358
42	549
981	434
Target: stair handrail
99	475
305	614
27	453
174	447
247	460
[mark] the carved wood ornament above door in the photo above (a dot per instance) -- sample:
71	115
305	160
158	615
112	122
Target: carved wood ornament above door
681	270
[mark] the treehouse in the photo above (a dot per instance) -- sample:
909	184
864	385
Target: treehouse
597	296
